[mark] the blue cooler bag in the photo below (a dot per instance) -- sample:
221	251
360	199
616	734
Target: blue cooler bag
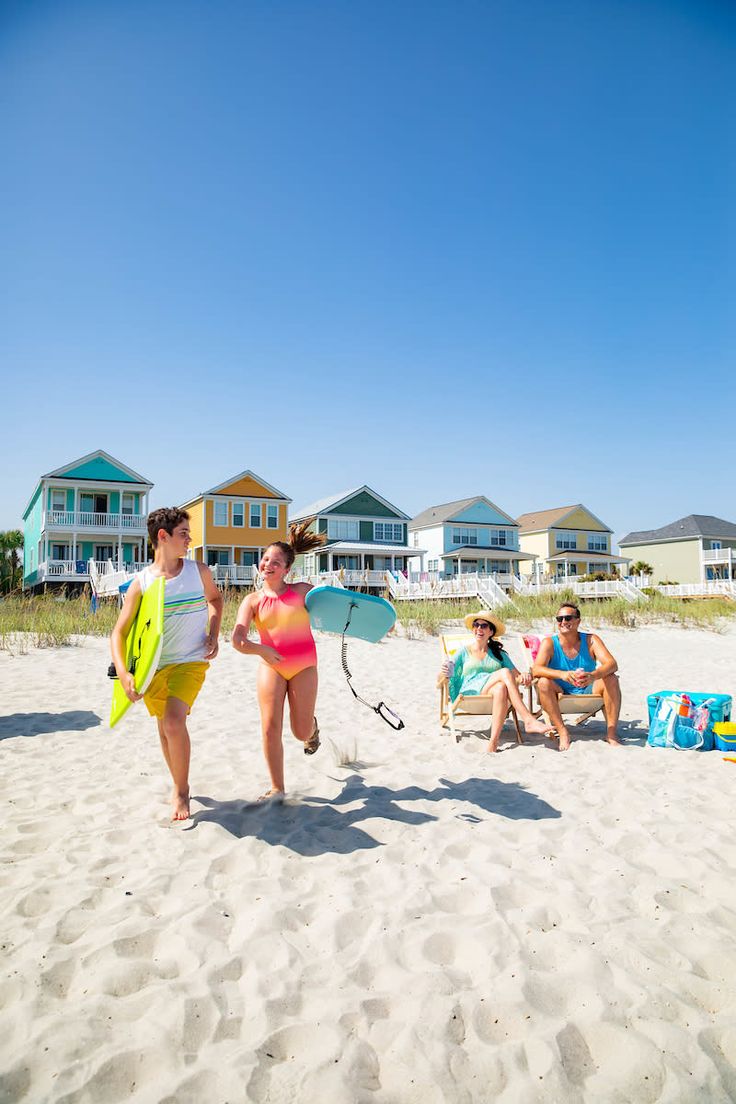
667	728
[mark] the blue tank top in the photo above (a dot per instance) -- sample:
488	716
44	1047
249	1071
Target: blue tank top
583	660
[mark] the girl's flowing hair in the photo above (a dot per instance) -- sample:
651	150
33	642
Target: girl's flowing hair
301	539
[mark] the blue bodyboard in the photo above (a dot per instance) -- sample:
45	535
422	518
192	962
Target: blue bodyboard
330	607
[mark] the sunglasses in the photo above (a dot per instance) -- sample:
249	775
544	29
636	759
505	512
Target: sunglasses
481	625
565	617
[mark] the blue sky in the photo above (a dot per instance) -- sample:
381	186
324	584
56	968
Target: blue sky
441	248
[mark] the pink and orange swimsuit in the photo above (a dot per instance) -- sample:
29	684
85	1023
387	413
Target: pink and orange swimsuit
283	623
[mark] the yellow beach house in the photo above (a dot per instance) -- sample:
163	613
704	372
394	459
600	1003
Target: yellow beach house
698	548
566	541
233	523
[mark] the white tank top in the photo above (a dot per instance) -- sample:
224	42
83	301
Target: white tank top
185	614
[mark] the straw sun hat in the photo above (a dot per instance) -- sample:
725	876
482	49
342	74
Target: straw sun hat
486	615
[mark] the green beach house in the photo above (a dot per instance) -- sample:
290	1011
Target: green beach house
366	536
93	509
698	548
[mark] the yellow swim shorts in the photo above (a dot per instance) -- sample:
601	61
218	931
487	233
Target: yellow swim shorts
175	680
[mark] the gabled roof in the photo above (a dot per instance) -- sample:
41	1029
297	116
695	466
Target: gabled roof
70	471
694	525
438	515
324	505
247	474
547	519
98	454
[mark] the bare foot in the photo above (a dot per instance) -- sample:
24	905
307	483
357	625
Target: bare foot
271	795
493	745
564	741
541	727
613	740
180	805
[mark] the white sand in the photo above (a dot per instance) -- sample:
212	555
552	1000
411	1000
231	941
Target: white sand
430	924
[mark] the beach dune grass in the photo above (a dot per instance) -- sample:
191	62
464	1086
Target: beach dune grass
47	621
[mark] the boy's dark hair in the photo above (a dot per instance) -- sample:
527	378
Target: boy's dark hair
167	518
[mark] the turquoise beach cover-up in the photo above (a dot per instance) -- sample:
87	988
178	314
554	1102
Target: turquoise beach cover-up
470	674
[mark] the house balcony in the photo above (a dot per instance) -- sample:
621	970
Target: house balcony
81	520
719	555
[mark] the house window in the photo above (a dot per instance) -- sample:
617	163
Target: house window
238	515
103	552
249	557
342	530
349	563
594	567
128	504
59	551
388	531
415	540
716	545
563	543
433	565
272	517
255	515
58	500
498	537
597	544
217	557
86	503
220	513
464	536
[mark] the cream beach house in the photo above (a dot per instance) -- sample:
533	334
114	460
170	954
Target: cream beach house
469	535
366	536
698	548
231	525
567	541
91	512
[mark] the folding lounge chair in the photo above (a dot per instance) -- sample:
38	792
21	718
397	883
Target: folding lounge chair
466	704
584	705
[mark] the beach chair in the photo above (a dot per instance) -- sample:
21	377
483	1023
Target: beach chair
586	705
465	705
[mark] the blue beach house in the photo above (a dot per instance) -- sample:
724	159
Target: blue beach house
469	535
89	513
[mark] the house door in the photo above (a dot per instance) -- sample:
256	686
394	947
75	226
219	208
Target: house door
103	552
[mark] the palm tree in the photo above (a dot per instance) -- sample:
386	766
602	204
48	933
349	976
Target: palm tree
641	568
11	544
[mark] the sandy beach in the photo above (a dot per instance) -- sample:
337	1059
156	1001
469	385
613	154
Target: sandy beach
425	923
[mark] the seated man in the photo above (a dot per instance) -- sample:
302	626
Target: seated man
572	662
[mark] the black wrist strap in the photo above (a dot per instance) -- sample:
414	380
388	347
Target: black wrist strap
392	719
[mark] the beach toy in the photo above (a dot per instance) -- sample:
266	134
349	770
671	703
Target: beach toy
346	613
725	735
142	647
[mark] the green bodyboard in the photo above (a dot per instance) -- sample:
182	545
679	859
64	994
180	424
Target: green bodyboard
142	647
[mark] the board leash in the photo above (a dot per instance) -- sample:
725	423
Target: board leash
383	711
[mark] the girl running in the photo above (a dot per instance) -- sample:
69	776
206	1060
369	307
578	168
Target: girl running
288	653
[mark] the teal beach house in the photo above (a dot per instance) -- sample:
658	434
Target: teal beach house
89	515
366	536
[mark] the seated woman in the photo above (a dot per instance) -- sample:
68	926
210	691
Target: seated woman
483	667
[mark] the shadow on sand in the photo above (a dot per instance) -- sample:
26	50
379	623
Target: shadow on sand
318	826
37	724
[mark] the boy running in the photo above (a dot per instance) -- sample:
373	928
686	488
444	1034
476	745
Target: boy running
192	616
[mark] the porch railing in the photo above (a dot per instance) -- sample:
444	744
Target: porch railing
713	588
82	519
719	555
